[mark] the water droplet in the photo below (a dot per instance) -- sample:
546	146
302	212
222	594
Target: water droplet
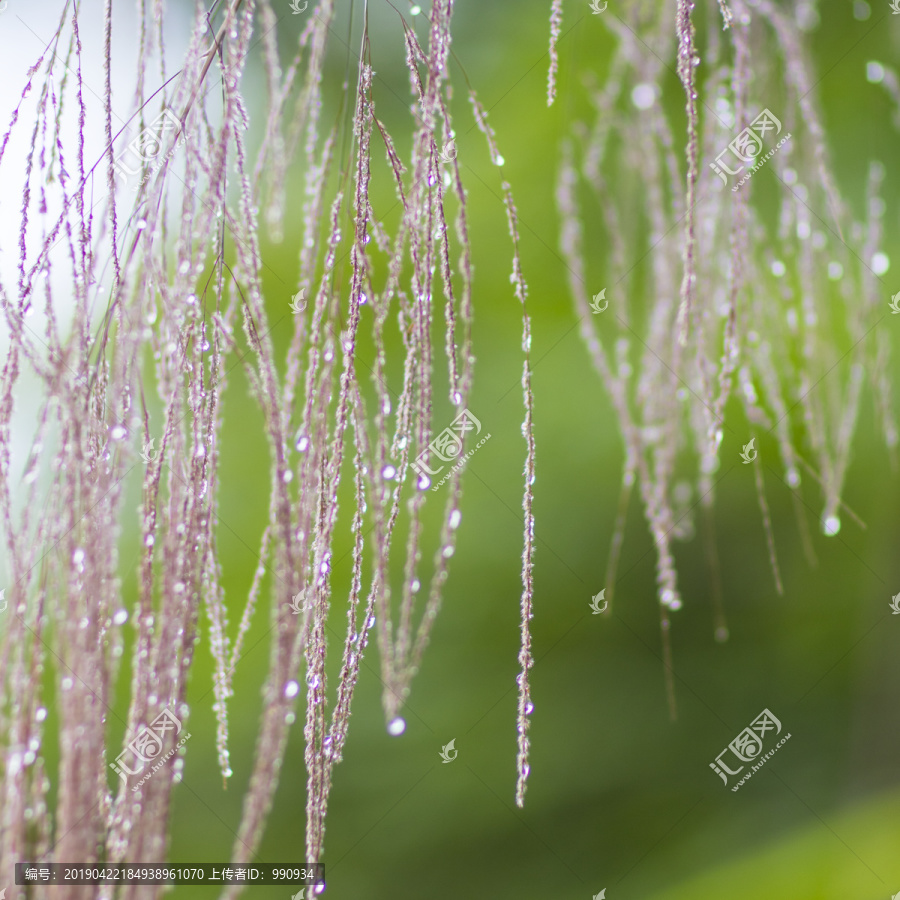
499	161
288	476
290	718
78	557
121	617
448	551
455	519
396	726
778	268
831	525
291	689
67	683
529	708
643	96
370	623
880	263
388	473
415	10
302	444
415	586
149	541
792	476
874	72
40	714
141	224
835	270
423	483
363	299
117	432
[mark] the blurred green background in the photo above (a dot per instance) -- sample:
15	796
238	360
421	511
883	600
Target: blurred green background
620	798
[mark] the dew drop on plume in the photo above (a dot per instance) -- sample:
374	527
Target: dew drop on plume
643	96
880	263
396	726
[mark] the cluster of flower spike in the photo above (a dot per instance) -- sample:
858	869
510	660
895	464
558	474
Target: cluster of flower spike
779	298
